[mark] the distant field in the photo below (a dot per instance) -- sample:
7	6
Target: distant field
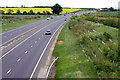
65	10
116	13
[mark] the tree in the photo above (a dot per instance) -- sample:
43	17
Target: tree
25	13
31	12
18	12
47	12
10	11
44	13
2	12
56	9
111	9
38	13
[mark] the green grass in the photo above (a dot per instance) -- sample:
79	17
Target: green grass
72	62
115	13
18	21
97	59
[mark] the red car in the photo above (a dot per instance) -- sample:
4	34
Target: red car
65	19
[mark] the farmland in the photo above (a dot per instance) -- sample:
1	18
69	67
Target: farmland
114	13
65	10
89	50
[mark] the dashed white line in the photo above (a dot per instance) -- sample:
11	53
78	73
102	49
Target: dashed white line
8	71
24	41
35	41
26	51
43	52
31	46
39	38
18	60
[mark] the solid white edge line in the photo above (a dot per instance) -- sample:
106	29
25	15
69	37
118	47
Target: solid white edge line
43	52
24	41
20	34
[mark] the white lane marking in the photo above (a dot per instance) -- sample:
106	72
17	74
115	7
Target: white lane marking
24	40
31	46
18	60
35	41
39	38
22	33
43	52
8	71
26	51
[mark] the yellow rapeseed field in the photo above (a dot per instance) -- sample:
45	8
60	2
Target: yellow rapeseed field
65	10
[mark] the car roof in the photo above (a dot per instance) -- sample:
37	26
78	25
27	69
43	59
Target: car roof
48	29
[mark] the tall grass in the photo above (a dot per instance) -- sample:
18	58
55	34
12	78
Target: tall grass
106	19
99	44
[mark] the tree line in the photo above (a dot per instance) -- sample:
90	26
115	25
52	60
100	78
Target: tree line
18	12
56	9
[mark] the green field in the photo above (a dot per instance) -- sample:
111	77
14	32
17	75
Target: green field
115	13
10	22
90	50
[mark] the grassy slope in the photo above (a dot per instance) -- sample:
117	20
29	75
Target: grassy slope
72	62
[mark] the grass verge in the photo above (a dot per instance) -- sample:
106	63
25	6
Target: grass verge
12	22
72	62
90	50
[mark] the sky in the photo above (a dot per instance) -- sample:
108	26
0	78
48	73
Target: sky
63	3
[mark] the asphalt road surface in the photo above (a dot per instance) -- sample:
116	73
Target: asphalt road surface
21	61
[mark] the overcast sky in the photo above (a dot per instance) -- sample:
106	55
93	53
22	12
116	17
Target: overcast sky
63	3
